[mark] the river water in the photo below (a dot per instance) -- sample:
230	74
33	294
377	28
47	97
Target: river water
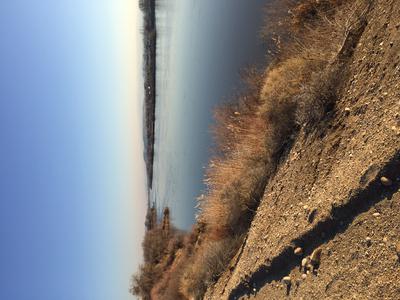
202	45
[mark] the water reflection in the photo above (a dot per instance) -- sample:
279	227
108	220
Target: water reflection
202	44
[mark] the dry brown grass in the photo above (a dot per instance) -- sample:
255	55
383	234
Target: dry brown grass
161	245
167	288
253	134
203	269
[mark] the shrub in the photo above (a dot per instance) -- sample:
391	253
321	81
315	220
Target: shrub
207	266
144	280
155	245
167	288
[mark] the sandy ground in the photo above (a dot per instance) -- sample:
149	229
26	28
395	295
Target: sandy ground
328	193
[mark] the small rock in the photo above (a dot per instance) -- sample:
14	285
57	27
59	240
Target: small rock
316	256
286	280
305	207
385	239
376	214
386	181
347	109
298	251
304	262
303	276
369	241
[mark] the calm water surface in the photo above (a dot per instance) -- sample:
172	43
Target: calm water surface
202	45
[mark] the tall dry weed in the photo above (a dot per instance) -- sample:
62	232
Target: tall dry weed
297	91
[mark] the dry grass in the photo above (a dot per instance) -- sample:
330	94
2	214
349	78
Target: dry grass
204	269
167	288
161	245
297	92
254	133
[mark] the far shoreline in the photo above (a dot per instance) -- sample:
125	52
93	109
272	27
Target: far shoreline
148	7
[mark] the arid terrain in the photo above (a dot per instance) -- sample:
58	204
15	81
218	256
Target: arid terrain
303	199
328	195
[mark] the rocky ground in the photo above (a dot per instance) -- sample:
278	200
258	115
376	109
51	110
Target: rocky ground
336	193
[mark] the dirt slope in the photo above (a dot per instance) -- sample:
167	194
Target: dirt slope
327	190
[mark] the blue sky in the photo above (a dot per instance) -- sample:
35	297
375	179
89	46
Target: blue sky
72	184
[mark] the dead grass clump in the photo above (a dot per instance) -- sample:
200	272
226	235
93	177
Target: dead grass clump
167	288
160	246
144	280
288	21
155	245
310	11
234	180
206	267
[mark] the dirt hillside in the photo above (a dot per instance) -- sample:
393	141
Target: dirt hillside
335	198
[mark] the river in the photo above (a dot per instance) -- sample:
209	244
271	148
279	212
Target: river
201	47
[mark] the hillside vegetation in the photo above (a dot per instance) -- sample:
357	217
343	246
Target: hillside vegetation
296	97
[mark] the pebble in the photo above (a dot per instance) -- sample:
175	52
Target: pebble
386	181
286	280
303	276
298	251
385	239
316	256
376	214
304	262
368	240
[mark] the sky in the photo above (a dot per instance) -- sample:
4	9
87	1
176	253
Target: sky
72	184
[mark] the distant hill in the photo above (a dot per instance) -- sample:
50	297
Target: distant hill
148	7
